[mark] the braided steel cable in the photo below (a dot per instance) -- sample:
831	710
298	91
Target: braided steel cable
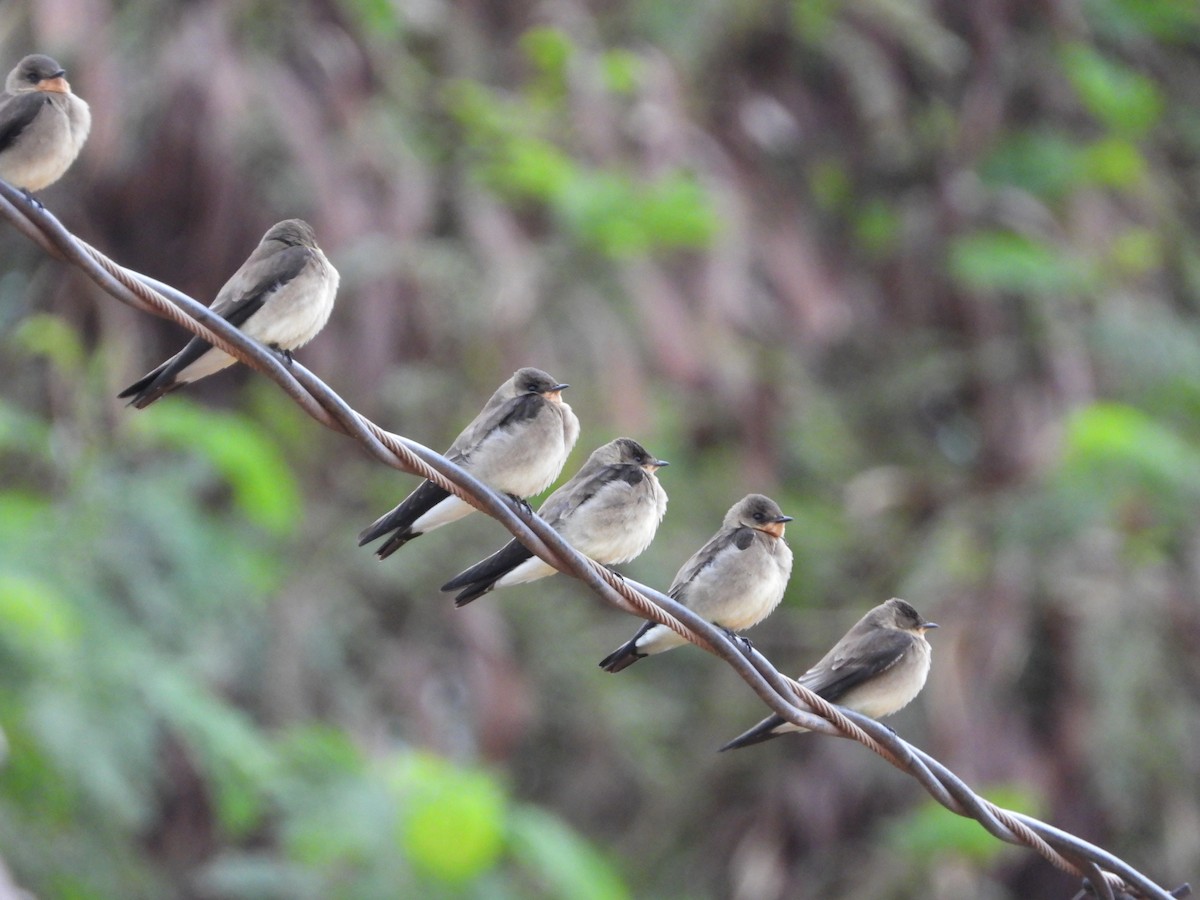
1102	874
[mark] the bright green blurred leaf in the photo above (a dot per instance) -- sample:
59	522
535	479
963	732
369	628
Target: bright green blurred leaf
1116	448
452	823
533	168
622	71
35	618
263	484
379	17
569	868
1137	250
1114	162
1004	261
550	49
51	337
1121	98
20	513
931	830
678	212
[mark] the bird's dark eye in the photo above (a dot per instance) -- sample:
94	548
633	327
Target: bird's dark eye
32	78
758	517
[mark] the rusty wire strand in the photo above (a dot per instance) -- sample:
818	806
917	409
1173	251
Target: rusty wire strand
1103	874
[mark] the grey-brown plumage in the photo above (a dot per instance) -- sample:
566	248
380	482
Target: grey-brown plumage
42	124
876	669
517	444
281	296
609	511
735	580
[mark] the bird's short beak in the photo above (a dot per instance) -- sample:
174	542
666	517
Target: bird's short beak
927	625
656	465
776	526
55	84
554	392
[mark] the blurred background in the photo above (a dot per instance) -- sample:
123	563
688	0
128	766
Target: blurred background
925	272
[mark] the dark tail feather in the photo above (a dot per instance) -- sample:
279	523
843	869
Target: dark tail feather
622	658
395	542
148	388
491	569
627	654
475	591
415	505
763	731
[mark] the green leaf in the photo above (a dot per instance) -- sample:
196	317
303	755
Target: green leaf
1004	261
21	514
1137	250
1043	163
1170	21
263	485
877	227
53	338
678	212
1120	440
931	831
550	49
569	868
379	17
35	618
1121	98
23	432
622	71
1114	162
452	823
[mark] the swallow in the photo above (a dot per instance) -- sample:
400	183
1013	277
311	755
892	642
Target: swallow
877	668
608	511
281	296
42	124
517	444
734	581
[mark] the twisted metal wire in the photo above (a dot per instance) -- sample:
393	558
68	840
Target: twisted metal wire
1103	875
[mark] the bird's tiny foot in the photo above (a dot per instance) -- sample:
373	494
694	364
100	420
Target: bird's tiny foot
286	354
37	204
522	504
612	568
738	639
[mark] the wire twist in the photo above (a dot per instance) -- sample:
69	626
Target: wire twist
1103	875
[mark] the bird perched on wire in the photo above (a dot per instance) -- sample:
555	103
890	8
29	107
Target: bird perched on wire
42	124
281	296
877	669
608	511
735	580
517	444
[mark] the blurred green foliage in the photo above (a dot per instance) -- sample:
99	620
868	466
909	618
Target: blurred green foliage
618	213
119	578
926	273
